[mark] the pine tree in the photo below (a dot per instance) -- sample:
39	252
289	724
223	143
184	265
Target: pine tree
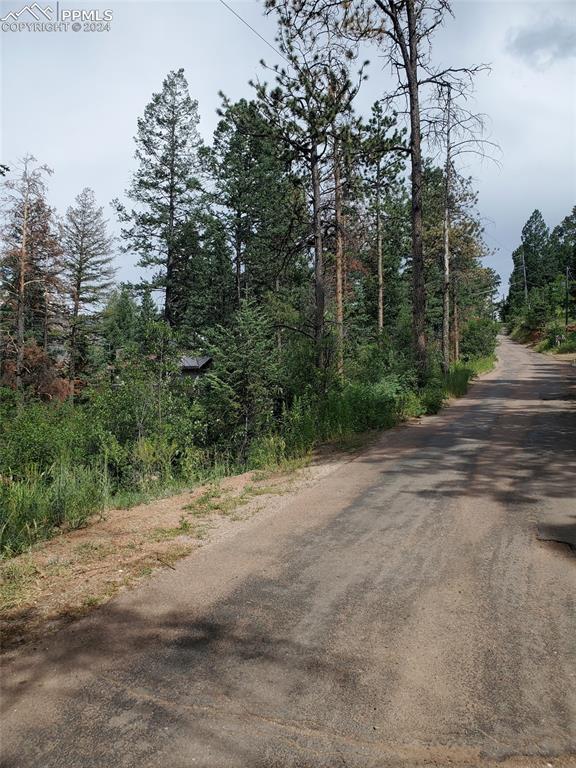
563	244
88	269
120	325
258	199
310	95
165	189
239	392
536	250
209	283
382	167
147	318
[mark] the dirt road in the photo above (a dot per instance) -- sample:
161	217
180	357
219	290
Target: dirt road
400	612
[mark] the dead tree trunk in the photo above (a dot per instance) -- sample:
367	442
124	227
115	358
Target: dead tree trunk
379	254
339	257
319	293
408	42
446	285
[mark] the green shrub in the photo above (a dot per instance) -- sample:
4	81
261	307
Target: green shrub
153	459
40	434
193	463
76	493
433	396
410	405
479	338
557	338
458	378
568	345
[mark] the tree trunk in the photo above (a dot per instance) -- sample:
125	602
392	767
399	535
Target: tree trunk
46	321
339	255
418	284
169	314
278	330
446	296
379	254
446	286
169	303
20	330
318	259
73	343
526	299
455	322
238	259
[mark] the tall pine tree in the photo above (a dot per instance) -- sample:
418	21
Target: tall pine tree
165	189
88	269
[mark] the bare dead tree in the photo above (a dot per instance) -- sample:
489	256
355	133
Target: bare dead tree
454	129
21	195
446	260
339	259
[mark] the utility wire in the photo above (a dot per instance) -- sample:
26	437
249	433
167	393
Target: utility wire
253	30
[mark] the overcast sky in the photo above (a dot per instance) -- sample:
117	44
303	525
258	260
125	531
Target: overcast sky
72	99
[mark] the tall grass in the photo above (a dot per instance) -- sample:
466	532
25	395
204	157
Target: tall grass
353	408
458	378
65	496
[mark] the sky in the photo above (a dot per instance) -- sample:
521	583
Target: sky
72	99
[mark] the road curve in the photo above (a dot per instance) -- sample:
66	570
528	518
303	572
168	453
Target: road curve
399	612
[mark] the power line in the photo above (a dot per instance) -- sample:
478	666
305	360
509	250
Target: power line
253	30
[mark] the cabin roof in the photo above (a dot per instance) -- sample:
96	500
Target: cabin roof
190	363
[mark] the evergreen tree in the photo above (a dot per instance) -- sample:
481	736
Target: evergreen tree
542	283
518	288
240	391
259	199
310	95
120	325
205	288
382	167
165	188
88	269
563	244
536	251
147	318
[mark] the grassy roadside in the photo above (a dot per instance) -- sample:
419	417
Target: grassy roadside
57	487
67	495
58	580
554	338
